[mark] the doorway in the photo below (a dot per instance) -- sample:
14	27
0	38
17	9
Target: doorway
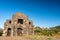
9	32
19	31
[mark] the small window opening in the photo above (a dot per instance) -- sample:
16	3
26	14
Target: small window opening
20	21
9	21
29	22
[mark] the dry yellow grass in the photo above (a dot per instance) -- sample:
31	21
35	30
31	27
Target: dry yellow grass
30	37
37	37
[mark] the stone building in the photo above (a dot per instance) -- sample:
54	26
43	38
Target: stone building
18	25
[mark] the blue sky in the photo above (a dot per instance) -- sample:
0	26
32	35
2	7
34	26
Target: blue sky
44	13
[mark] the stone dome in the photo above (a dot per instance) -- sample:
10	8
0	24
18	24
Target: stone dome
21	15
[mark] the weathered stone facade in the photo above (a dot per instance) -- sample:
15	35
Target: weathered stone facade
18	25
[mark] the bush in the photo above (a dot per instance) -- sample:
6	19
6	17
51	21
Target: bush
1	33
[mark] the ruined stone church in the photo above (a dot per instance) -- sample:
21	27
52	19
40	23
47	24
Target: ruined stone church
18	25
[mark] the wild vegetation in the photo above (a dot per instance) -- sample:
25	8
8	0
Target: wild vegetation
1	32
47	31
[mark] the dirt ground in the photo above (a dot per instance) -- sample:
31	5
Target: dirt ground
13	38
55	38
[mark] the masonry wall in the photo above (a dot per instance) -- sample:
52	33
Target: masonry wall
17	27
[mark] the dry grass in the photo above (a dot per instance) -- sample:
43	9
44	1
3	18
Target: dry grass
30	37
37	37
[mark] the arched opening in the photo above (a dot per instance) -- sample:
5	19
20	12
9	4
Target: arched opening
9	32
19	31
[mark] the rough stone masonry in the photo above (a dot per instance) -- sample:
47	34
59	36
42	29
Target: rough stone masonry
18	25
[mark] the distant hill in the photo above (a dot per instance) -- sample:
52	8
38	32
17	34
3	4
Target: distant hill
56	28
